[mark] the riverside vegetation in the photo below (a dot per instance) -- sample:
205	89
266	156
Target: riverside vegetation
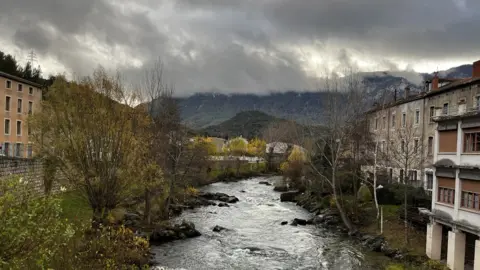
127	170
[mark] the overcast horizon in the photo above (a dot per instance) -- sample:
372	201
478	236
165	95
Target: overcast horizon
246	46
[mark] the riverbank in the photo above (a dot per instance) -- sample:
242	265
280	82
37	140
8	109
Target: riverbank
390	243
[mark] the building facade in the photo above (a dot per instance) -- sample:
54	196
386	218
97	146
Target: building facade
405	129
18	100
456	185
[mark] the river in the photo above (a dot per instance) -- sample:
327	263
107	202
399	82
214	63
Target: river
255	239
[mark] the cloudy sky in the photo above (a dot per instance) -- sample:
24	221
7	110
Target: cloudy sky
242	45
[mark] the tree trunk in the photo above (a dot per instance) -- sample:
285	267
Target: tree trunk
375	180
146	214
98	218
343	215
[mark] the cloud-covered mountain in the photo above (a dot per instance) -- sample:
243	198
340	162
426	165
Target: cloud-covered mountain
205	109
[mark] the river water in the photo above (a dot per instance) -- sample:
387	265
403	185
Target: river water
255	239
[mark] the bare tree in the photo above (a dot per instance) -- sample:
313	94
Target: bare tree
344	102
405	151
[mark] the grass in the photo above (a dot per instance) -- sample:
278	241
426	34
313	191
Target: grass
394	232
75	207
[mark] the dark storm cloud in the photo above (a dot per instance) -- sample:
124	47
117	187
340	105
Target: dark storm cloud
242	45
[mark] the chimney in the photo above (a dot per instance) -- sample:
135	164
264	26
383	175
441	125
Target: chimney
476	69
407	92
435	82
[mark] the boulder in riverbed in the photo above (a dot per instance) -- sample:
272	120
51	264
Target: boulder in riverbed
265	183
300	221
289	196
219	197
284	223
173	232
222	204
280	188
218	228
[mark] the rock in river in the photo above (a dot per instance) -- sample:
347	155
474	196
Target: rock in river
218	228
265	183
173	232
219	197
222	204
289	196
300	221
284	223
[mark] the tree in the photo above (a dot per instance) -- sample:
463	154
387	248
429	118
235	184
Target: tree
236	146
406	152
256	147
94	138
344	102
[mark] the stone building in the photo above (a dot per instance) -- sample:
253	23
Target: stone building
407	123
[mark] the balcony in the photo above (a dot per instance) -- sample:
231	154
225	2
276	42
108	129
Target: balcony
455	112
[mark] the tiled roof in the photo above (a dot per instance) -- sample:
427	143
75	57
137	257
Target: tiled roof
18	79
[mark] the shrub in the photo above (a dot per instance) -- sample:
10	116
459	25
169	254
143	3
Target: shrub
364	194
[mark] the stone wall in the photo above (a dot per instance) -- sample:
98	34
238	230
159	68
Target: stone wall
29	170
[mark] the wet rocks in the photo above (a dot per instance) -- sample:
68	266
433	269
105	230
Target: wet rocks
280	188
218	228
284	223
289	196
219	197
173	232
222	204
300	221
265	183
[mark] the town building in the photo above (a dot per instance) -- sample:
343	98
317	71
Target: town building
455	215
19	99
404	129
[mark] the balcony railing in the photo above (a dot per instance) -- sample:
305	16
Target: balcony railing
455	111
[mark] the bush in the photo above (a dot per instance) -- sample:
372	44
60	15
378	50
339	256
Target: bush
364	194
393	194
31	229
34	235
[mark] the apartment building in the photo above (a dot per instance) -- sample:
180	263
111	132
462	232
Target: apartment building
405	128
19	98
456	181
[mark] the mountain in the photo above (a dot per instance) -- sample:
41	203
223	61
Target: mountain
250	124
206	109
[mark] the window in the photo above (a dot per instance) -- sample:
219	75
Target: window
29	130
470	200
30	90
471	142
8	84
445	109
384	122
417	116
18	149
7	126
19	128
430	145
429	181
404	119
6	149
20	87
403	146
376	123
19	105
446	195
415	145
477	102
401	176
432	113
29	150
393	121
30	107
7	103
412	175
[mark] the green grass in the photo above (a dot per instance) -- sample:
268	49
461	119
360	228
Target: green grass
75	207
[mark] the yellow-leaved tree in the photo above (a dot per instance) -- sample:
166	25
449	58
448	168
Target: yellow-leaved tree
236	146
206	143
256	147
95	138
293	167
